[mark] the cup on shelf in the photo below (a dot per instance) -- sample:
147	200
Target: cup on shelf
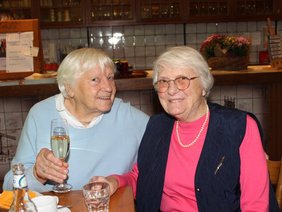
52	15
263	57
67	15
123	68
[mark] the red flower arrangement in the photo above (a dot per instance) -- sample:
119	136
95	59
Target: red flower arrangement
225	45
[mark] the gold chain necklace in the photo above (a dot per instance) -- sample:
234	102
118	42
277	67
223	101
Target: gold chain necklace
197	137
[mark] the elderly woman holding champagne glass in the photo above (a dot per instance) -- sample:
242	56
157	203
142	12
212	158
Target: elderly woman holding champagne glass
197	156
104	131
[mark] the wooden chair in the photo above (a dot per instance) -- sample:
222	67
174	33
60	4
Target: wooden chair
275	173
279	188
274	170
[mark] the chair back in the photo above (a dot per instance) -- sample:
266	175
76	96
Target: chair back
279	188
274	170
275	174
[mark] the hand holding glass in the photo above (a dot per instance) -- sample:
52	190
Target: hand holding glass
97	196
60	144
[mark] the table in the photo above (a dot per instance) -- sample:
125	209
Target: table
121	201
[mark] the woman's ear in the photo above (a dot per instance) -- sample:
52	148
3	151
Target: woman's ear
204	92
69	91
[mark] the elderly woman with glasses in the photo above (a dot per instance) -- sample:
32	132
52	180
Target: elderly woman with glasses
196	156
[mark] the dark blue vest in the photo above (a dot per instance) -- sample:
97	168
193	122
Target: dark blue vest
217	189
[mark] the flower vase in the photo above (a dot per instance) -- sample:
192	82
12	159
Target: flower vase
228	63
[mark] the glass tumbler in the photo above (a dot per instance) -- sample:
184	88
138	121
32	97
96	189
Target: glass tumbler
97	196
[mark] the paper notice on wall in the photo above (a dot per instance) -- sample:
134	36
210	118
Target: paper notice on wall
19	52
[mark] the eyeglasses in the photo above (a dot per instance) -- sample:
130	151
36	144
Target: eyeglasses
181	83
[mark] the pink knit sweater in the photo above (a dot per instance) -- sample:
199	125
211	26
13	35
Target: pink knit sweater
179	192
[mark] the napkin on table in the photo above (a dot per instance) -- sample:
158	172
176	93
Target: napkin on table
6	198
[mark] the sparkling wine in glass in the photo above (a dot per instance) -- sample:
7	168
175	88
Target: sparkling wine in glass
60	145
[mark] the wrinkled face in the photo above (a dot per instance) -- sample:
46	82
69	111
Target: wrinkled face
182	104
94	91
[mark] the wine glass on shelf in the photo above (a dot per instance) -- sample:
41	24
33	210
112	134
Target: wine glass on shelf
60	145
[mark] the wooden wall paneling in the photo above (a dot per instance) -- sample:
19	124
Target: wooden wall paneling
274	135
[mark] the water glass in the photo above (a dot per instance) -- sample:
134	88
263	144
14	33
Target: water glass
97	196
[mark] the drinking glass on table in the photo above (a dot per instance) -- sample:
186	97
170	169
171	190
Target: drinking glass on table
60	145
97	196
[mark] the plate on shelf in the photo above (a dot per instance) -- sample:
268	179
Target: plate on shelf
134	74
36	76
139	73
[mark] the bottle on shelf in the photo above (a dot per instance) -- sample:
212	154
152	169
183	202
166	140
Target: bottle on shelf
21	200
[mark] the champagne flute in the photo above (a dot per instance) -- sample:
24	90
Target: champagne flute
60	145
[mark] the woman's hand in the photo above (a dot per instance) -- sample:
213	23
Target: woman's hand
113	182
48	167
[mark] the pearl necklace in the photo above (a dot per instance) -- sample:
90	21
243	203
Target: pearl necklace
197	137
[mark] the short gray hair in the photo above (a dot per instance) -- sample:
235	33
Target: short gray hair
78	62
185	57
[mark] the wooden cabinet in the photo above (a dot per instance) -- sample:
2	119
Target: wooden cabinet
73	13
254	9
19	9
209	10
187	11
278	9
17	57
110	11
61	13
232	10
83	13
155	11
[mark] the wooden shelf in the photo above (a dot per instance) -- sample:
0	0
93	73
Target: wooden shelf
84	13
254	75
